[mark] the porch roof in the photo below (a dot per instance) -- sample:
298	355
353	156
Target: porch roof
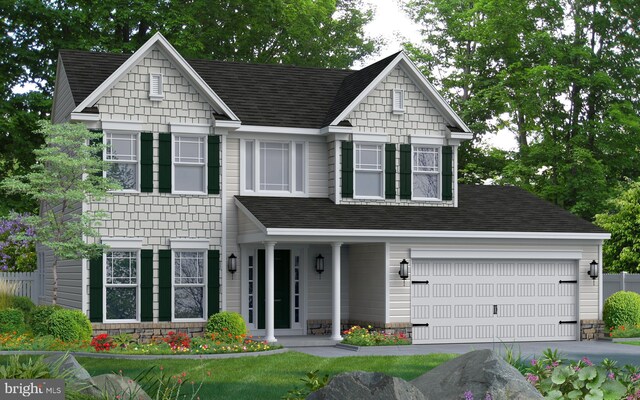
481	209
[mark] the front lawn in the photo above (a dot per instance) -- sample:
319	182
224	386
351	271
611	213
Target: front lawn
265	377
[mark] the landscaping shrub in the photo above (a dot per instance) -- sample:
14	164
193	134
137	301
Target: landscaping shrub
621	308
69	325
24	304
227	326
39	319
11	319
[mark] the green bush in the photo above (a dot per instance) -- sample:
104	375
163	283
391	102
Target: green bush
227	326
11	319
24	304
39	319
622	308
69	325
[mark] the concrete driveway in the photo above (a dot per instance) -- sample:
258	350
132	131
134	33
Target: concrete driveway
594	350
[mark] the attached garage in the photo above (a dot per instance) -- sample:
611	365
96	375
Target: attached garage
493	300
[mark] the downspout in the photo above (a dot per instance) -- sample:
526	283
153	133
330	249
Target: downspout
600	285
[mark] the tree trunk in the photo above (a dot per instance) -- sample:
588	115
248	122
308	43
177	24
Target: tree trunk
54	271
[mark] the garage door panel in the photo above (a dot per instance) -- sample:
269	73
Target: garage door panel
484	301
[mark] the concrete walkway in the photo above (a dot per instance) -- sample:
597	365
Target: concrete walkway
594	350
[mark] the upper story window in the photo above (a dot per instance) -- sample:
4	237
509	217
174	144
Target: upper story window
122	156
121	285
368	170
274	167
426	166
189	163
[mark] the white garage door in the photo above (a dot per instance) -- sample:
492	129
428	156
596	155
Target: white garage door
471	301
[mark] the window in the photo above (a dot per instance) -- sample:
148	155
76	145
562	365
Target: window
368	170
122	156
398	100
426	172
189	163
277	167
188	284
121	285
155	87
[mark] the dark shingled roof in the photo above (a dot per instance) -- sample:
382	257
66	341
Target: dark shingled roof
259	94
480	208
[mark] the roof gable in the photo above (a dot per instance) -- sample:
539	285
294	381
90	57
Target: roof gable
170	52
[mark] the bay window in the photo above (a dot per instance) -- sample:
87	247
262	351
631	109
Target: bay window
273	167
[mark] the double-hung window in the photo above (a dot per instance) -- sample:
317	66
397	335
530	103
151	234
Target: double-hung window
189	163
121	285
122	155
188	284
426	172
368	170
273	167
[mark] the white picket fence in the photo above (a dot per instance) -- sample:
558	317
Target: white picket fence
623	281
30	284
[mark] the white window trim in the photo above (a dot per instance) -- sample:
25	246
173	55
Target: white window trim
205	278
397	110
439	198
137	162
292	169
205	176
355	170
121	243
189	244
104	286
159	95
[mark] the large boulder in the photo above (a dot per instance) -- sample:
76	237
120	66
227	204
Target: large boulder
367	385
113	385
69	366
480	372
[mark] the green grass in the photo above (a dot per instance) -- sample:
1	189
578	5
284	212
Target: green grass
269	376
634	343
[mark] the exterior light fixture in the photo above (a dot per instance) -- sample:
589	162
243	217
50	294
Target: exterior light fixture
320	264
404	269
593	269
232	264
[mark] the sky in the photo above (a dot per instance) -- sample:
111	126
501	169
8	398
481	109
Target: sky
394	26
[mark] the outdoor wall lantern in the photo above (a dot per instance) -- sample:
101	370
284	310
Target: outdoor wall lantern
320	264
232	264
404	270
593	269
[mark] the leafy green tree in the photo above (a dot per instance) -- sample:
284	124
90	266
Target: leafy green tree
67	172
622	251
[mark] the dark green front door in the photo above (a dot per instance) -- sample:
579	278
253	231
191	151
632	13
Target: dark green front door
282	289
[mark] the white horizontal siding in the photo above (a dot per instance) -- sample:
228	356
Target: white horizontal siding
318	170
233	291
319	293
63	103
400	296
367	269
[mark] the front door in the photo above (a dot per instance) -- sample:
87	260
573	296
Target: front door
282	289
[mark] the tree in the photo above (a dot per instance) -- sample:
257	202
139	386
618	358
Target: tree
622	251
56	182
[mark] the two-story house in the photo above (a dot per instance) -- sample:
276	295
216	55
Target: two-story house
308	200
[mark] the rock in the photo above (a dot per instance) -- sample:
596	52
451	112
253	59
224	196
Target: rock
112	385
367	385
480	372
70	367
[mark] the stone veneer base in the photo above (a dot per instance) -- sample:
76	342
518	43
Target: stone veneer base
591	329
148	331
323	326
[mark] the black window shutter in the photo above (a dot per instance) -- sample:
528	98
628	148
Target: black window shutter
164	285
447	173
347	169
164	163
213	159
95	289
146	285
405	171
146	162
213	282
390	171
100	154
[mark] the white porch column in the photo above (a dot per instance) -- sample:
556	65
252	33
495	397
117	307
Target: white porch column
269	298
335	284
